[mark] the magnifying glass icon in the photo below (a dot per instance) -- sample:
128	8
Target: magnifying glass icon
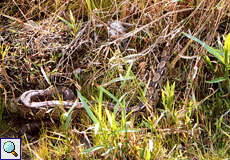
9	147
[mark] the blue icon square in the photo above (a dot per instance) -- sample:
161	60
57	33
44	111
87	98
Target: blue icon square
10	148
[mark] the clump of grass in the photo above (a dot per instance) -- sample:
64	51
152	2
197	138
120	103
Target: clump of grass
223	60
67	43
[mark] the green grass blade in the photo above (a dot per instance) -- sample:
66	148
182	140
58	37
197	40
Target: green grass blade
100	105
92	149
217	80
127	76
66	22
118	79
211	50
76	29
207	59
90	113
72	19
88	2
226	50
113	97
226	59
2	51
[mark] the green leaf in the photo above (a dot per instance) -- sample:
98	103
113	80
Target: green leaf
65	21
119	79
4	52
113	97
72	19
217	80
211	50
88	2
147	155
92	149
76	29
90	113
226	48
209	63
226	133
127	76
147	125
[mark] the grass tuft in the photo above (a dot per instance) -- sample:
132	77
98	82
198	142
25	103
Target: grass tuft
108	51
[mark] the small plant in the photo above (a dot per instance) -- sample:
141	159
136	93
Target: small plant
112	135
168	100
72	25
223	60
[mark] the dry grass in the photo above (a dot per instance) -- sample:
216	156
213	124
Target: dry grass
76	50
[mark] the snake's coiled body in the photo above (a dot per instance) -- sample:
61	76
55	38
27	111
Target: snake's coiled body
30	107
39	104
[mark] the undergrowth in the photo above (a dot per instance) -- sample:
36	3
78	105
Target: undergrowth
108	51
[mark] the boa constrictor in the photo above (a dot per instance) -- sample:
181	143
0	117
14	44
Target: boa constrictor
38	104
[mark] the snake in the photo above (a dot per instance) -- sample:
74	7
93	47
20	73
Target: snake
39	105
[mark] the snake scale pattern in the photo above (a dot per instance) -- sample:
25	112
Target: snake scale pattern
38	105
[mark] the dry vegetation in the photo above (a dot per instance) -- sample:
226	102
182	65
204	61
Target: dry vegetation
71	42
